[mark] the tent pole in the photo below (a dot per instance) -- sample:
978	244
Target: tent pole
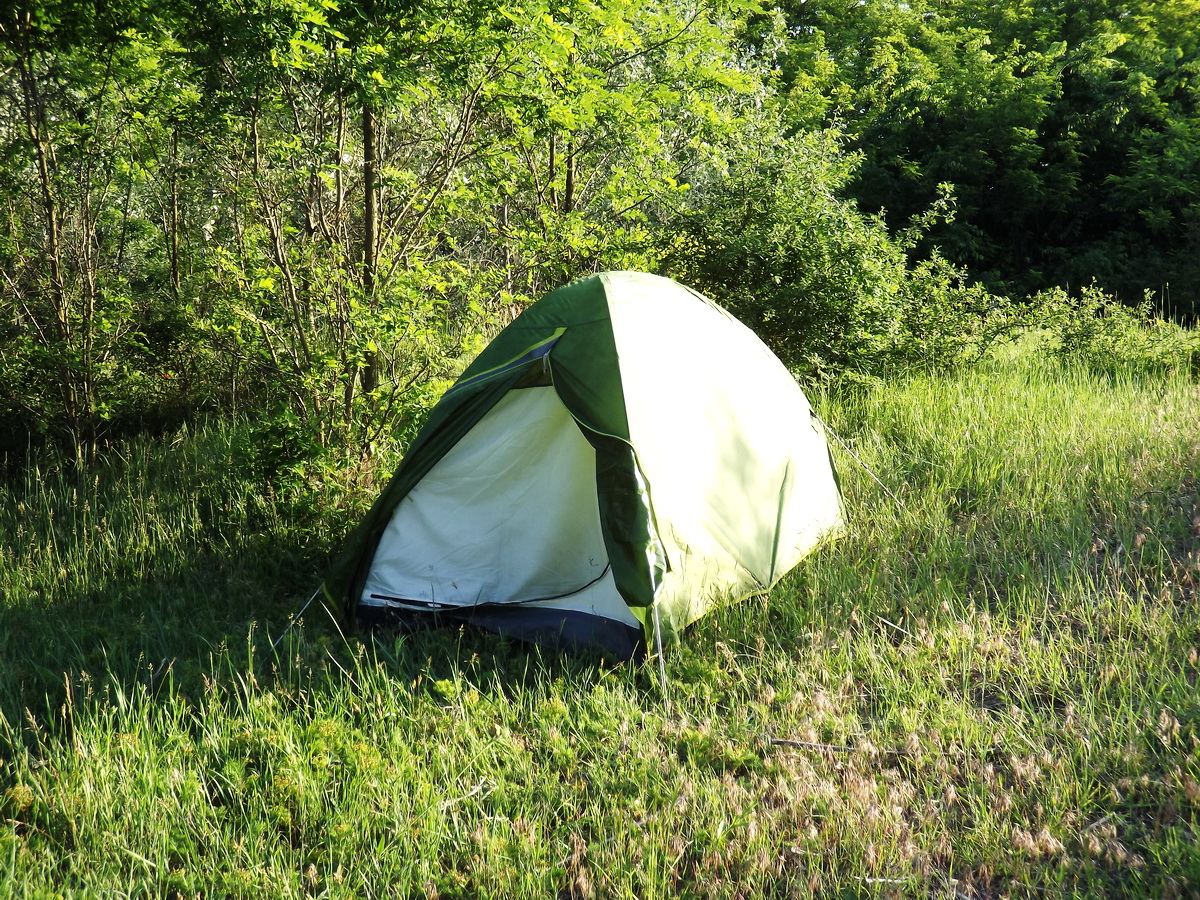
662	662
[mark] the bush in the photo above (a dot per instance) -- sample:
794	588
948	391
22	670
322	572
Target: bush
827	288
1110	338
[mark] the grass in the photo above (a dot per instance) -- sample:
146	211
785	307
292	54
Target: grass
988	691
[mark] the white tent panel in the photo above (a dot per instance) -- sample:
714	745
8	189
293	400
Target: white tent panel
737	472
508	515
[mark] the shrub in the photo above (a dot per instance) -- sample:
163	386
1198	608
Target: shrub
828	288
1110	338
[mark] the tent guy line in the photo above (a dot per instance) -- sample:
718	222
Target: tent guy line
296	618
857	459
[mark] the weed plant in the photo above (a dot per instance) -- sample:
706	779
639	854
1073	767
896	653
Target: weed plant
986	687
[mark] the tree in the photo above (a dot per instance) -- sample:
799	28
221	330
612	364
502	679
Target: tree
1046	119
85	266
390	175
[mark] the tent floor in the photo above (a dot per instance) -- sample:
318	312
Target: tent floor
554	629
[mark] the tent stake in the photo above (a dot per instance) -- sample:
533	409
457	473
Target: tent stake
662	662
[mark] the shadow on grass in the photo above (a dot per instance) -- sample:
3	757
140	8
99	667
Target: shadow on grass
189	616
151	569
419	660
88	617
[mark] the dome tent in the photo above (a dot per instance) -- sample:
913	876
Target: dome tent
621	458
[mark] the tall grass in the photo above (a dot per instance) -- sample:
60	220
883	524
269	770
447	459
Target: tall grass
989	689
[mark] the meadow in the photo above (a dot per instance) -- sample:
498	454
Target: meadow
987	687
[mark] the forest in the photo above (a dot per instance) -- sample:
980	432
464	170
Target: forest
309	212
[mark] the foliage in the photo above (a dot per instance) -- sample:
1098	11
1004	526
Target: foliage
828	288
350	199
1112	338
1066	131
310	212
91	309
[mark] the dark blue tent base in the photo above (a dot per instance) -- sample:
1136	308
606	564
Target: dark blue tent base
554	629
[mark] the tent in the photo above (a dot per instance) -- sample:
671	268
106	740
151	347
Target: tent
621	458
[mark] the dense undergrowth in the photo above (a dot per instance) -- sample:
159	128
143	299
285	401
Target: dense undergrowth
988	686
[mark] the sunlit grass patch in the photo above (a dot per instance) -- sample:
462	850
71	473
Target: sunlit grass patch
989	689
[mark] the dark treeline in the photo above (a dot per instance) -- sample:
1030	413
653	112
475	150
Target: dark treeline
1070	132
307	211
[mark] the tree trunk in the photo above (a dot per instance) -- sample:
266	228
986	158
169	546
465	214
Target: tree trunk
370	370
569	177
38	130
173	225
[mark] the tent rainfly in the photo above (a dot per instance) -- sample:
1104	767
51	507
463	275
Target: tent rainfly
621	458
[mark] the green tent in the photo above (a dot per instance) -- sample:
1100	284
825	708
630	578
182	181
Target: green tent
621	458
